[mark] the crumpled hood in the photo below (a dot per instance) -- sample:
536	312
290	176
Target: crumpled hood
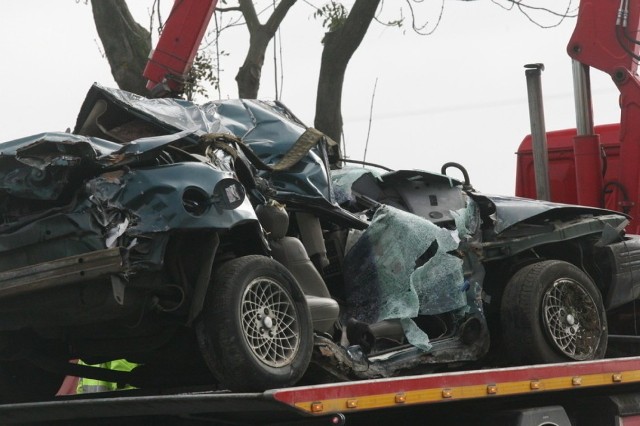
270	130
58	148
512	210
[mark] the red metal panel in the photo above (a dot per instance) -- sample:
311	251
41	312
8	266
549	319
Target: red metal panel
630	421
179	42
562	174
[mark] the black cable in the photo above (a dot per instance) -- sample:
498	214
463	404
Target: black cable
622	189
628	51
626	35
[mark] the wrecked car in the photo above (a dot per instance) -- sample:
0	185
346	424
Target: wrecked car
229	244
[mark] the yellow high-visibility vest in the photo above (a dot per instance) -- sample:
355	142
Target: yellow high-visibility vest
86	385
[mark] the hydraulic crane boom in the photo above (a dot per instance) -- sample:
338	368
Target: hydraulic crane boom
173	57
597	166
606	38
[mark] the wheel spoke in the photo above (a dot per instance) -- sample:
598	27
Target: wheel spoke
269	322
570	317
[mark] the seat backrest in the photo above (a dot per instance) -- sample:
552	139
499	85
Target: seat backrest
291	253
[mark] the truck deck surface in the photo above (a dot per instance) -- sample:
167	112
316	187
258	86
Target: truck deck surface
449	396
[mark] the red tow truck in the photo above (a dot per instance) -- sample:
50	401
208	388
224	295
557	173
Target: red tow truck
594	166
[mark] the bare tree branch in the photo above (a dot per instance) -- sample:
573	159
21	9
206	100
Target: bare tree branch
249	74
250	15
524	8
278	15
126	43
418	29
339	46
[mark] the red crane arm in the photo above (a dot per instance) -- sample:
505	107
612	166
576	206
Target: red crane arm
606	38
172	58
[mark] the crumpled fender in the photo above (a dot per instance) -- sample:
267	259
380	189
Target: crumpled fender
512	210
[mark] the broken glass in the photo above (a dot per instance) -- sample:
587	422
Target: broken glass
383	278
343	179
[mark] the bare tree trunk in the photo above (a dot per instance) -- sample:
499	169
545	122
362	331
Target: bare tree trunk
126	43
339	46
248	77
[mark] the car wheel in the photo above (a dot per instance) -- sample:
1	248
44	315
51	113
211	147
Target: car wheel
21	381
255	331
552	312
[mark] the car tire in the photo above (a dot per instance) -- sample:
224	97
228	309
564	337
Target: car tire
552	311
22	381
255	331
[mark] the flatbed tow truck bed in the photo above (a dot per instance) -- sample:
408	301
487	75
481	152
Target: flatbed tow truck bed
604	392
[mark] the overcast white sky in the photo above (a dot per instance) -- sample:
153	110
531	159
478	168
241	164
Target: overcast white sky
457	95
